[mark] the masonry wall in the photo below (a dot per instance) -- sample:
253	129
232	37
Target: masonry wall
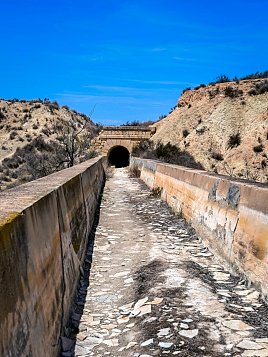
44	226
232	216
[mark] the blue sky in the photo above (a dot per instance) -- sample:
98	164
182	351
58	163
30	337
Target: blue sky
127	59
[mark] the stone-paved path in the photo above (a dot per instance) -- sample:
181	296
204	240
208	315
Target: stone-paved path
156	290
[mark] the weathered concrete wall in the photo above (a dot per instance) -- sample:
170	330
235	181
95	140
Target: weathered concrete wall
44	227
231	215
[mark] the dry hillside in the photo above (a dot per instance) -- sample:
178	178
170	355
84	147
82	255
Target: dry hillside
39	137
224	126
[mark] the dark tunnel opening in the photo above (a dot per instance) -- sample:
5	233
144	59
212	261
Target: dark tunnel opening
119	156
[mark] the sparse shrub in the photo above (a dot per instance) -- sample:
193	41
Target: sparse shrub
14	175
259	88
145	149
138	123
258	148
243	102
186	89
217	156
256	75
162	116
172	109
35	126
202	85
2	115
12	135
222	78
185	133
53	106
214	92
165	152
234	141
252	92
232	92
132	123
11	162
156	192
46	131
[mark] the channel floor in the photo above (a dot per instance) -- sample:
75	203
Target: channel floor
155	289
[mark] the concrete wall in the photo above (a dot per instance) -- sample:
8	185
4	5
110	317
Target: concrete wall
232	216
44	227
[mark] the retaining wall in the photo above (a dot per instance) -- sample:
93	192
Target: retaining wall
44	227
232	216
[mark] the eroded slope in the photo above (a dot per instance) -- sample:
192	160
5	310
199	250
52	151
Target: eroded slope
223	127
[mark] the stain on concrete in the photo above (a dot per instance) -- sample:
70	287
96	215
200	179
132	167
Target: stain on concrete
233	196
213	192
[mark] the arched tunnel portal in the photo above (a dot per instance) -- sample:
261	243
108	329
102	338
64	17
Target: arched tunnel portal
118	156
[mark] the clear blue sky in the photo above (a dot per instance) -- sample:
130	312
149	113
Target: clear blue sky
129	59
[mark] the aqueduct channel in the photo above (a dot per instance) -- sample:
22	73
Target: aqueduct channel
157	287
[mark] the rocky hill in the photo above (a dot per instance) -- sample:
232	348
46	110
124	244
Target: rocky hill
39	137
223	126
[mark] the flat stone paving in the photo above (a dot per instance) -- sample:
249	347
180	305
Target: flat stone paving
156	290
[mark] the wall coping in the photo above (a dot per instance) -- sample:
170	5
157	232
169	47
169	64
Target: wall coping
17	199
252	193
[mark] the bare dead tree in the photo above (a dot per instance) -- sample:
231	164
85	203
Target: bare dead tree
74	141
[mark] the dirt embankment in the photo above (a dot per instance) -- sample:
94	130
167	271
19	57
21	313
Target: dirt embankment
223	126
38	137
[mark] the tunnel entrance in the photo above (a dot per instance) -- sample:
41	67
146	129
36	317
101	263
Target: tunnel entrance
119	156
